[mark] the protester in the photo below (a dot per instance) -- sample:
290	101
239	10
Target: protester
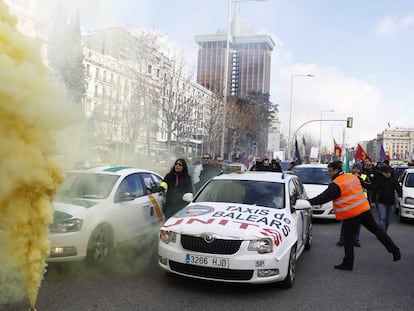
366	184
208	171
352	207
384	196
175	184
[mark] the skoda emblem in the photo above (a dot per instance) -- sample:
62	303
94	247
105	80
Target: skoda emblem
209	238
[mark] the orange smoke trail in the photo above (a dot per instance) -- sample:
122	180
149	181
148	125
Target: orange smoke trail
29	117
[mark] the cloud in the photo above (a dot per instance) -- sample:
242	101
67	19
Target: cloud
390	25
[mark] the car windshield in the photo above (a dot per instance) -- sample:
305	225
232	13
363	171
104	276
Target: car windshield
312	175
263	193
409	182
87	185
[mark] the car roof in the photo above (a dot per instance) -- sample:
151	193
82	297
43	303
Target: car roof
410	170
113	170
257	175
312	165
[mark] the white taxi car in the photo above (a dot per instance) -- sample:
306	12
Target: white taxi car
240	227
406	205
98	208
315	179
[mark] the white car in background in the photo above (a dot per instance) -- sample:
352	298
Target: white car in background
246	227
98	208
315	179
406	205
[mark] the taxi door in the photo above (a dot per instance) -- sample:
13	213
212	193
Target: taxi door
301	216
133	207
151	187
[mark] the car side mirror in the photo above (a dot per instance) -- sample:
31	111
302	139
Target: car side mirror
302	205
188	197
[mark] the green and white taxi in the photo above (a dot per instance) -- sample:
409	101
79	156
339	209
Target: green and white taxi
246	227
98	208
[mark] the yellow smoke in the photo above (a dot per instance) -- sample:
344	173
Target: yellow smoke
30	115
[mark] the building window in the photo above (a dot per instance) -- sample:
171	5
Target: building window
97	73
104	75
88	68
149	69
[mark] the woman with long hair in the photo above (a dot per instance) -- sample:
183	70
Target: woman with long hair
175	184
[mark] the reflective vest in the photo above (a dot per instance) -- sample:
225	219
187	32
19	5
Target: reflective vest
352	201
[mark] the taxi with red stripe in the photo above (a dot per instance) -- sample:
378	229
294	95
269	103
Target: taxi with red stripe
243	227
98	208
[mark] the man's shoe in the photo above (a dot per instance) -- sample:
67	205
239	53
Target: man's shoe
396	255
357	244
343	267
340	243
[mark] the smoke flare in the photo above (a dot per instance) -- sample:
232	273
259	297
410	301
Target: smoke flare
30	114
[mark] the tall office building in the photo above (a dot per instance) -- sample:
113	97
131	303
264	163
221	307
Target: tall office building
249	60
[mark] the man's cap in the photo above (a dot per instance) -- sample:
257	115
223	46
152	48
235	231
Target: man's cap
357	165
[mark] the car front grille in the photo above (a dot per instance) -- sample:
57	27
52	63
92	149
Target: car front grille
317	212
218	246
212	273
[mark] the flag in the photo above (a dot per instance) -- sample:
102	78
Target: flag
337	149
361	154
346	168
383	155
297	153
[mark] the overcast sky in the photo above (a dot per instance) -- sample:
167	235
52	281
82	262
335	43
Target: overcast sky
361	53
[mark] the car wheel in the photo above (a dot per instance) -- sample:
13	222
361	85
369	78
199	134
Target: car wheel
100	245
290	277
308	244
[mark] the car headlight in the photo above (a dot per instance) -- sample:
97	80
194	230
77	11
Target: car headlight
168	236
261	246
66	225
409	200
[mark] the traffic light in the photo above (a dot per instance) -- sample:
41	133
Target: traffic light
349	122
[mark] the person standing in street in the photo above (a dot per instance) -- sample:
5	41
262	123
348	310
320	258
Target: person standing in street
384	196
352	207
366	184
208	171
176	183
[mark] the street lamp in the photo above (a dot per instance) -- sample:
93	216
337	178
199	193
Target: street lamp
226	69
320	133
290	108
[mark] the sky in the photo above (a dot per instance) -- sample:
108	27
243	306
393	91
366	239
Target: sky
360	53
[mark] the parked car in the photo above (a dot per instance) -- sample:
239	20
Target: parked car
315	178
98	208
406	205
246	227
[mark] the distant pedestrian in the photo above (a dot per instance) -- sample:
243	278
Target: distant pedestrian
175	184
352	207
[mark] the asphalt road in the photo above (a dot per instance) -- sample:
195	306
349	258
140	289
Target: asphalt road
135	282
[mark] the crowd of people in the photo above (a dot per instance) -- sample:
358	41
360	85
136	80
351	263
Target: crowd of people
353	207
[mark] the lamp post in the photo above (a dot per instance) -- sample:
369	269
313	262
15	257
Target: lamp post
320	133
226	69
290	108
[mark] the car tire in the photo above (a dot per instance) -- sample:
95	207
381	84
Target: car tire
290	277
309	238
100	245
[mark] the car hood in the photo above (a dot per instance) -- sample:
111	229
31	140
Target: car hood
65	208
236	221
313	190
